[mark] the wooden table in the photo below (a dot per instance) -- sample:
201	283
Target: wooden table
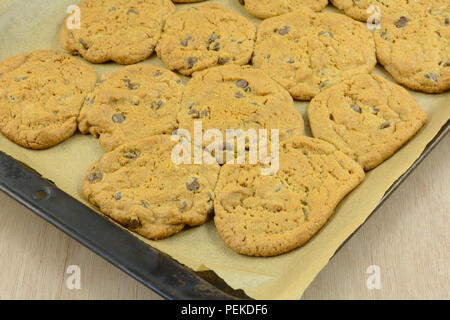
408	239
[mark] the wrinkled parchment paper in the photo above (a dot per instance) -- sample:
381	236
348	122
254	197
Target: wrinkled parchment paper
30	25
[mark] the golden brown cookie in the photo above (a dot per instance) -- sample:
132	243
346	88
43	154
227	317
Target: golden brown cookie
139	186
41	94
366	117
413	45
131	104
204	36
360	9
238	97
307	52
264	9
122	31
262	215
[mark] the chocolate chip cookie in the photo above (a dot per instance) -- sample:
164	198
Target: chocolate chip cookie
307	52
41	94
413	45
131	104
122	31
366	117
238	97
262	215
139	186
264	9
360	9
204	36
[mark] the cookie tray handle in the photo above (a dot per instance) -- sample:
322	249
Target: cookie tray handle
152	268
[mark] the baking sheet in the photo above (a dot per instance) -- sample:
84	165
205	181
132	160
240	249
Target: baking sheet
30	25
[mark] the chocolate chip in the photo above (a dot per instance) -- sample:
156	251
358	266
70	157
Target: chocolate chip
385	125
242	2
132	154
157	105
432	77
216	46
18	79
190	62
328	33
222	61
447	21
95	176
384	35
131	86
83	43
112	9
157	74
185	42
323	84
132	11
212	38
446	64
118	196
194	185
375	110
331	117
134	223
355	108
290	61
242	83
145	204
118	118
238	95
284	30
401	22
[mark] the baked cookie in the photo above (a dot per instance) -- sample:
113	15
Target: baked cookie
264	9
360	9
131	104
306	52
139	186
366	117
238	97
413	45
204	36
122	31
262	215
41	94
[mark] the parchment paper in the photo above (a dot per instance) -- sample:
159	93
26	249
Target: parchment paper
30	25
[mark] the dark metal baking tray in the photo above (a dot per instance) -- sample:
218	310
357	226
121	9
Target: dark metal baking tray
144	263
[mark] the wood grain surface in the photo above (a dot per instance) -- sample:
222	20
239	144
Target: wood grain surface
408	239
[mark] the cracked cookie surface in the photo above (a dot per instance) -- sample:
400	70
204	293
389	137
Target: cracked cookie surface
124	31
41	94
261	215
307	52
238	97
131	104
366	117
264	9
204	36
139	186
413	45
